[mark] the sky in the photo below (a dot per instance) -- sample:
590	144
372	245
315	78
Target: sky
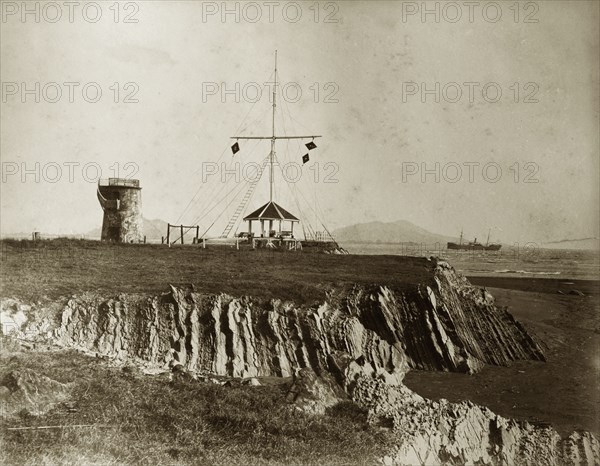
468	117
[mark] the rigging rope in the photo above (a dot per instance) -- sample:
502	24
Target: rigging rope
241	215
209	200
223	199
311	231
219	216
220	157
209	204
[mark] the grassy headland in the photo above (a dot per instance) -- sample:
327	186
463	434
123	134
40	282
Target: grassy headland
31	270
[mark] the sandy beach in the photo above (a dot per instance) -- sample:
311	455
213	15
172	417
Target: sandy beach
564	391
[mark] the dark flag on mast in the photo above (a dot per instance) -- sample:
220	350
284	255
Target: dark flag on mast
311	145
305	158
235	148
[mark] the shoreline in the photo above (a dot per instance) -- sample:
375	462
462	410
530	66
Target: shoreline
538	284
564	391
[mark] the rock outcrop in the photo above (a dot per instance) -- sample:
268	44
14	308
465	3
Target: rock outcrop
439	432
443	433
313	393
444	325
26	391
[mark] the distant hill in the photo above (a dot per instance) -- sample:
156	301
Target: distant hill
401	231
583	243
153	229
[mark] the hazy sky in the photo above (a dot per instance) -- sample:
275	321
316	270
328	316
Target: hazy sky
372	64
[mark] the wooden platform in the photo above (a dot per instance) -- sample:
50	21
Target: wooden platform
291	244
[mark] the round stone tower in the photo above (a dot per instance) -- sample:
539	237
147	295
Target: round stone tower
121	200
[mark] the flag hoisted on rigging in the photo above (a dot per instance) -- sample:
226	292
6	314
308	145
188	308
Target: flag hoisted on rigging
272	218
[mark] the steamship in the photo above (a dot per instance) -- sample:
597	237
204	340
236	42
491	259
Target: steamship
474	245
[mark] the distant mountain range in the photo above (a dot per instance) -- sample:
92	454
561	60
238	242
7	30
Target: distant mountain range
401	231
153	229
583	243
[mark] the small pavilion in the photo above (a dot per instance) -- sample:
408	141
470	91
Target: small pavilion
271	212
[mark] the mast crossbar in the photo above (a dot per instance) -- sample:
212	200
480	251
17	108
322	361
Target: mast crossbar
273	138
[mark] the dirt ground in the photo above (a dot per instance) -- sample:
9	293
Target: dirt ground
564	391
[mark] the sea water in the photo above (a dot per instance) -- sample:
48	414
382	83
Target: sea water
516	261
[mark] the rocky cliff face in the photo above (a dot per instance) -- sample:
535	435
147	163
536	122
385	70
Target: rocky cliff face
439	432
446	325
358	343
443	433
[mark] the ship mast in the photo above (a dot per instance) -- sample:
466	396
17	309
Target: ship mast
273	136
272	154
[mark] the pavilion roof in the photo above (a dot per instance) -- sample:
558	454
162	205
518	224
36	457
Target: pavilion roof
271	211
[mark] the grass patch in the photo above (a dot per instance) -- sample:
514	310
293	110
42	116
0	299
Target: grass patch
153	421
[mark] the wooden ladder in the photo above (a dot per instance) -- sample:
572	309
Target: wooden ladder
243	203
